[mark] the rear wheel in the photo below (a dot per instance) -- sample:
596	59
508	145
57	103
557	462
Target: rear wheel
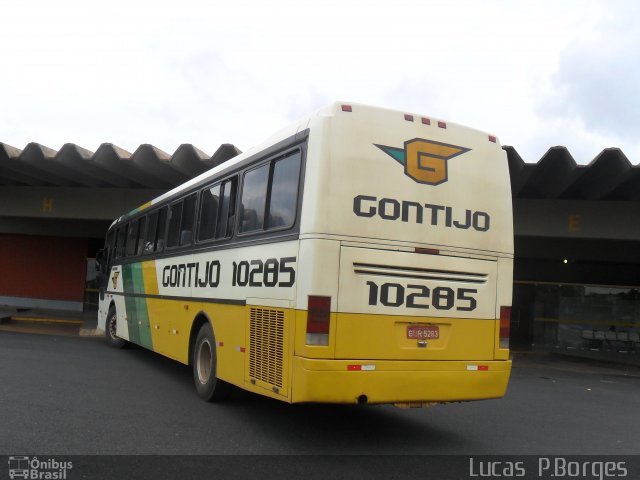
110	330
204	363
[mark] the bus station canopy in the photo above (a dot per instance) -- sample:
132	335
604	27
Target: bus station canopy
108	167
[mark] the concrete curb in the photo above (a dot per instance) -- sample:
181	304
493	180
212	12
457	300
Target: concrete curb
90	332
62	321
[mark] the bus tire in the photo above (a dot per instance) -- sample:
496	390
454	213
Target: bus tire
110	330
204	361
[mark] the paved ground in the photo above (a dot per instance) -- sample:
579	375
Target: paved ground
72	395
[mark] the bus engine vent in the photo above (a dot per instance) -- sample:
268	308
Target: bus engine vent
266	345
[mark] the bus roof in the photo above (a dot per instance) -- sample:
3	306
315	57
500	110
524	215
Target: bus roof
286	132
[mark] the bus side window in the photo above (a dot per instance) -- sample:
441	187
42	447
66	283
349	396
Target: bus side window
188	220
227	209
154	237
254	196
108	253
283	197
121	237
175	219
209	203
132	236
141	235
162	223
152	233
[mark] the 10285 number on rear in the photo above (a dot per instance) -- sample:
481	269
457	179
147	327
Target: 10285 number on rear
422	297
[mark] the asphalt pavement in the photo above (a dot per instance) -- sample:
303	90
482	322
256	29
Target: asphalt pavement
72	395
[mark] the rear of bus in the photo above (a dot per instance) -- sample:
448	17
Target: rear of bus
406	259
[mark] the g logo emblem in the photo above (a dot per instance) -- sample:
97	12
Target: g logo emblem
425	161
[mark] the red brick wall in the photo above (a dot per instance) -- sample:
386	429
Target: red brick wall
52	268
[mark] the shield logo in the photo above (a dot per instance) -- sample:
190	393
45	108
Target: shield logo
425	161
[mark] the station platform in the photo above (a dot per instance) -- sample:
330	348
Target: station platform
49	321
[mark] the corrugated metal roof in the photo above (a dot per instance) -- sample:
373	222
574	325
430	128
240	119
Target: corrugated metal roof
609	176
110	166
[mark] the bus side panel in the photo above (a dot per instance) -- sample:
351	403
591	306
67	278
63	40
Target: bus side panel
237	290
228	325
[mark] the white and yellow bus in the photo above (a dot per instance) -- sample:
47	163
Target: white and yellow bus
360	256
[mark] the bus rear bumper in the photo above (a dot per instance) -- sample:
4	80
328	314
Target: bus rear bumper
389	381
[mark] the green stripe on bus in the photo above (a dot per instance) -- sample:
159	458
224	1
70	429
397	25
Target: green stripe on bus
137	313
130	305
141	307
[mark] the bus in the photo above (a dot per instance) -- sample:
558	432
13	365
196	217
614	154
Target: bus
362	255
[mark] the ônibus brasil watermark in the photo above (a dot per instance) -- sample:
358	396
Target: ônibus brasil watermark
33	468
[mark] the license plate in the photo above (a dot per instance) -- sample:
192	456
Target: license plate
423	332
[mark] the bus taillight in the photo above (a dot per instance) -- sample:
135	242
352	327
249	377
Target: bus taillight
318	315
505	326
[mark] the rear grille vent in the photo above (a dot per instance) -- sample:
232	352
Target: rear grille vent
266	345
419	273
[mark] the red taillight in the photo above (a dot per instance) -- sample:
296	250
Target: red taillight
505	326
442	124
492	139
347	108
426	121
408	118
318	316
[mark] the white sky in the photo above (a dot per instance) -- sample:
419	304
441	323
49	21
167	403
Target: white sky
537	74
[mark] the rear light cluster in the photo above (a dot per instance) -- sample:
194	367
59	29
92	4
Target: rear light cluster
505	326
425	121
318	316
408	117
478	368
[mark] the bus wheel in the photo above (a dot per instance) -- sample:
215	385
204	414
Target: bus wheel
110	330
208	386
